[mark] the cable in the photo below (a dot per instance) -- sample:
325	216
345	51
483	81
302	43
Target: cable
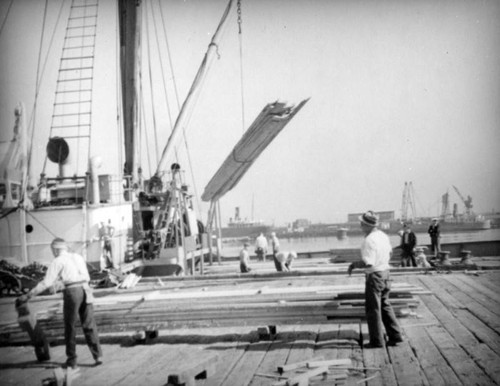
6	15
151	86
37	83
240	38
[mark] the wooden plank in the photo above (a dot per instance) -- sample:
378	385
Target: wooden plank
488	317
112	357
468	289
481	333
190	367
464	367
447	339
277	353
490	280
348	347
434	286
20	367
406	366
133	364
229	354
466	329
479	289
377	358
433	364
303	346
248	364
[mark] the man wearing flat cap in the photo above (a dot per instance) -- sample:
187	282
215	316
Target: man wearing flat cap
71	269
376	251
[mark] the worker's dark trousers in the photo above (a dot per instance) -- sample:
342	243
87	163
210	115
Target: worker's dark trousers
277	263
75	306
435	245
408	259
378	309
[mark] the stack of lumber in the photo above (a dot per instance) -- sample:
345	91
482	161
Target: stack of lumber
172	308
268	124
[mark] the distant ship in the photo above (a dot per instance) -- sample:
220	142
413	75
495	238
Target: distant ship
239	228
449	220
446	225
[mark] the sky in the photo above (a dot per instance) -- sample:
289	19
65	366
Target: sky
399	91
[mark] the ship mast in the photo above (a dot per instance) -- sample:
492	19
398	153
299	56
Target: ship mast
190	100
130	23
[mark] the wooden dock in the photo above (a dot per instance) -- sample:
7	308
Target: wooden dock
451	338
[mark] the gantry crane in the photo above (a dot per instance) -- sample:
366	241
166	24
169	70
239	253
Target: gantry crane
408	203
467	201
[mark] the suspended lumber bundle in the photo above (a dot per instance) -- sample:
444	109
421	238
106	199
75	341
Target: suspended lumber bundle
168	309
259	135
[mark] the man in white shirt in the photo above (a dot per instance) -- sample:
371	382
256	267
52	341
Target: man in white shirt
376	251
245	259
261	247
71	269
275	244
285	260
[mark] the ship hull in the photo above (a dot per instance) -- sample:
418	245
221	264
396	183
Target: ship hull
26	235
250	232
445	226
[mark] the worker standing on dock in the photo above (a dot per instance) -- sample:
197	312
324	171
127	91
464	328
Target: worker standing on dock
261	247
376	251
435	235
71	269
275	244
245	259
106	233
408	243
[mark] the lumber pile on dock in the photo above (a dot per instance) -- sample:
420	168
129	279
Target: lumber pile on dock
167	309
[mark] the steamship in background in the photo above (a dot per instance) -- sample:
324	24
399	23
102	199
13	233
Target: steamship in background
239	228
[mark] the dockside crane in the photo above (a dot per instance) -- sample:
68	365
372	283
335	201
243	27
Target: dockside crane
408	211
467	201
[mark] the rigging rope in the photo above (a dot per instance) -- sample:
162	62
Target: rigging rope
161	66
37	83
188	153
31	122
151	84
6	15
240	38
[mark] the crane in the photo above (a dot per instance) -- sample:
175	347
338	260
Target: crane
408	203
467	201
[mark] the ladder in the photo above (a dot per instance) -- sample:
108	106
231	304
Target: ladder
72	110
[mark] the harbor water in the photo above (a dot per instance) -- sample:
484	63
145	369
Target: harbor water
231	248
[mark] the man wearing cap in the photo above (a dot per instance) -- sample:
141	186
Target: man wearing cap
434	233
71	269
408	242
376	251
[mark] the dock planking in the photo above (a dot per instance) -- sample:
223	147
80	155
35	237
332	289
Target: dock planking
453	338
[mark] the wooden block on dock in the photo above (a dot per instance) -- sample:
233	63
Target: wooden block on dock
267	333
296	365
187	373
332	362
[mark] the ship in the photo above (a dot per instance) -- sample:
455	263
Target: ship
93	182
238	228
449	220
145	211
